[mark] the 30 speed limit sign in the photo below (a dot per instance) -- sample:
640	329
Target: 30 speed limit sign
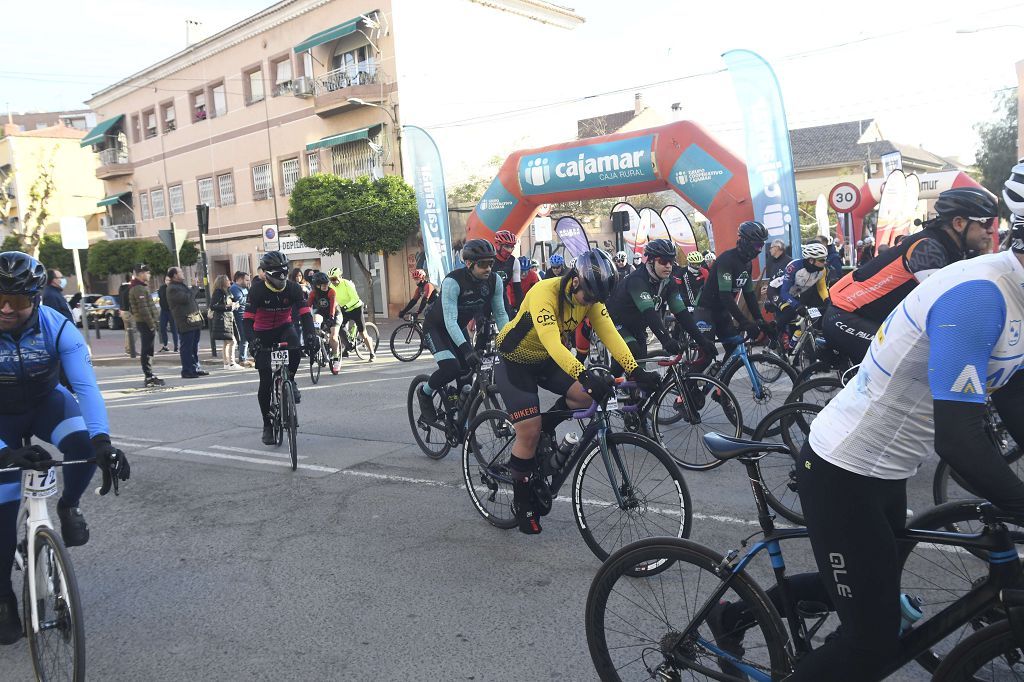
844	197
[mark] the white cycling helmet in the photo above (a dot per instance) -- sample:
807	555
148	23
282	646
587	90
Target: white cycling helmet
620	256
814	250
1013	189
709	257
638	258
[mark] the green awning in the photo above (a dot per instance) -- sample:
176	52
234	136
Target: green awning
339	31
341	138
112	199
97	134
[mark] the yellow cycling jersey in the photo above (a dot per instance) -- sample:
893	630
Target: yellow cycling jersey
537	333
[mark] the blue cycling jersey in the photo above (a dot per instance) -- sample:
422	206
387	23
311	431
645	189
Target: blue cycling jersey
30	365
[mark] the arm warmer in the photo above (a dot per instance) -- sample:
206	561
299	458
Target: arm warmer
498	307
450	291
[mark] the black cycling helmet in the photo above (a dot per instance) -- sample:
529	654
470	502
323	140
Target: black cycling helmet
477	249
320	279
597	274
660	248
967	202
275	267
750	238
20	273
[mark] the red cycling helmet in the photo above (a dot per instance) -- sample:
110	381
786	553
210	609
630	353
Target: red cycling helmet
505	237
419	275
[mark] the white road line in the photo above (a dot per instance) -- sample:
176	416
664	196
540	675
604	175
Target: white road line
239	458
249	451
177	399
145	440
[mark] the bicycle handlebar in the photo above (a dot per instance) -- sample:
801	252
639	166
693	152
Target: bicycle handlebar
592	410
54	463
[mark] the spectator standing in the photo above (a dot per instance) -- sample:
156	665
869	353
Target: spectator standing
166	319
189	320
240	291
53	294
775	261
222	319
126	318
146	315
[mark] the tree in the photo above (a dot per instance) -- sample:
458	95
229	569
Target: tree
6	195
188	253
52	254
11	243
338	215
997	152
121	255
37	212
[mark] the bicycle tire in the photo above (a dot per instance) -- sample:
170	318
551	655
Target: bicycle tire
628	646
492	402
69	634
408	331
290	419
817	391
432	449
484	473
773	393
277	419
357	340
663	485
716	397
314	364
817	369
944	478
777	471
969	657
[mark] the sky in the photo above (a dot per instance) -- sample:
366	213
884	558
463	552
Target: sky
903	63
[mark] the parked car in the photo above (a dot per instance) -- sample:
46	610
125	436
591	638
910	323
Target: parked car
104	312
76	312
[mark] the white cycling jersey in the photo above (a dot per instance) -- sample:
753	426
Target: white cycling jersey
957	336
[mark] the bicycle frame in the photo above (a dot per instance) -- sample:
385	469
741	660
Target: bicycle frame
739	354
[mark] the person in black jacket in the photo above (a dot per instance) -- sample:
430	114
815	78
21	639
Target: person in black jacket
125	311
53	293
166	319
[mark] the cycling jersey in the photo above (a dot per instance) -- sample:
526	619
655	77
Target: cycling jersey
269	309
729	275
30	365
690	284
346	296
956	337
638	293
876	288
545	326
464	297
529	278
425	293
796	279
322	303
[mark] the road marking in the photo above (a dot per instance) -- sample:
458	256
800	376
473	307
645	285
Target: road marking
145	440
176	399
249	451
240	458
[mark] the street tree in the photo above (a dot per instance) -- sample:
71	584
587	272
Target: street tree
997	151
361	216
37	211
188	253
121	255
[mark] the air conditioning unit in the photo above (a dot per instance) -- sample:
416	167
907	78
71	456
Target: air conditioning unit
104	222
302	86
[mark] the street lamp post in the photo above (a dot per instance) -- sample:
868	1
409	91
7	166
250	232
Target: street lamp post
394	122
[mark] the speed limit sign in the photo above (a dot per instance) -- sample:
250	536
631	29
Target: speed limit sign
844	197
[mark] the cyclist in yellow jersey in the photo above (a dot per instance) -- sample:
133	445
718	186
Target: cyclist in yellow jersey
534	354
351	306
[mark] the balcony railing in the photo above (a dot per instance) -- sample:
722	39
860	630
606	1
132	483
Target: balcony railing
112	156
362	73
122	231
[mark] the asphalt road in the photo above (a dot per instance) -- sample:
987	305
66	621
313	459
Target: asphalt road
218	562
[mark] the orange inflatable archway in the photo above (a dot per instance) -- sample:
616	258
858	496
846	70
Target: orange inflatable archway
679	156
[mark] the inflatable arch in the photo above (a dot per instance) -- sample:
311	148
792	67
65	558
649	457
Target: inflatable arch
679	156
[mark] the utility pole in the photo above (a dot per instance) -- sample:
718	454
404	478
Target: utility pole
203	216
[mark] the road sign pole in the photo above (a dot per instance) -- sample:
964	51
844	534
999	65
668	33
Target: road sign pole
203	220
81	302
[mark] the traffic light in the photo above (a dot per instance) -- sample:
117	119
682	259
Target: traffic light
203	215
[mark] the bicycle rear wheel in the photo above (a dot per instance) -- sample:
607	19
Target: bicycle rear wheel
362	352
775	380
485	453
635	626
992	653
682	415
58	649
290	422
791	425
817	391
655	499
948	486
407	342
314	363
431	436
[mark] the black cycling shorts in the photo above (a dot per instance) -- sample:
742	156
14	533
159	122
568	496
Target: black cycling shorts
518	383
354	315
712	322
440	344
848	333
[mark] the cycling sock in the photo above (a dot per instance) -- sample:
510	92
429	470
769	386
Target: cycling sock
549	421
520	466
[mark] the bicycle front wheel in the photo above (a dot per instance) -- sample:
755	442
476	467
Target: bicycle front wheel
314	364
431	436
635	626
817	391
362	352
655	501
484	458
992	653
684	412
762	389
407	342
58	648
791	425
290	422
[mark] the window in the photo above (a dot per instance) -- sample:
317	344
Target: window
159	209
204	188
150	118
177	198
167	113
290	174
353	159
254	80
197	101
136	128
282	77
262	182
144	204
354	67
219	97
313	162
226	188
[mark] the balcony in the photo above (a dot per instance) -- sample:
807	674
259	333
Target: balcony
121	231
113	163
362	81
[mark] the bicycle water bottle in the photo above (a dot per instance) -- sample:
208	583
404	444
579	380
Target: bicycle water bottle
910	611
565	448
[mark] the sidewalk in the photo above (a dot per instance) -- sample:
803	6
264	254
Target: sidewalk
108	350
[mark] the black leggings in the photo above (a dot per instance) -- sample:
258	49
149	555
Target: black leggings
848	333
853	521
268	338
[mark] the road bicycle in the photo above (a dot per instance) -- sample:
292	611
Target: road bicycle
284	416
320	357
809	345
408	340
353	340
664	627
625	486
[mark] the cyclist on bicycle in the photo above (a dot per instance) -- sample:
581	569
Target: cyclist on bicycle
635	302
622	265
691	279
556	267
351	306
268	321
534	354
36	343
425	293
472	292
965	220
801	284
321	302
729	275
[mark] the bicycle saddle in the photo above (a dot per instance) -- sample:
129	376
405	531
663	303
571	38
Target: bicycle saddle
726	447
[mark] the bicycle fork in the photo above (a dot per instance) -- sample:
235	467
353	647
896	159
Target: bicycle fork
607	455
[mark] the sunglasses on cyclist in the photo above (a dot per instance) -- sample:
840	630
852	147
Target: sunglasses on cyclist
665	261
16	301
984	222
485	264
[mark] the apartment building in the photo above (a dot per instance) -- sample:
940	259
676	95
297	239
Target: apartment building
303	87
80	119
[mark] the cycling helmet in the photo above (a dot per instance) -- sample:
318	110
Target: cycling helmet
597	274
967	202
20	273
477	249
814	250
534	263
418	275
660	248
750	239
620	256
320	279
504	237
556	261
694	258
709	258
1013	189
524	263
638	258
334	273
275	266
